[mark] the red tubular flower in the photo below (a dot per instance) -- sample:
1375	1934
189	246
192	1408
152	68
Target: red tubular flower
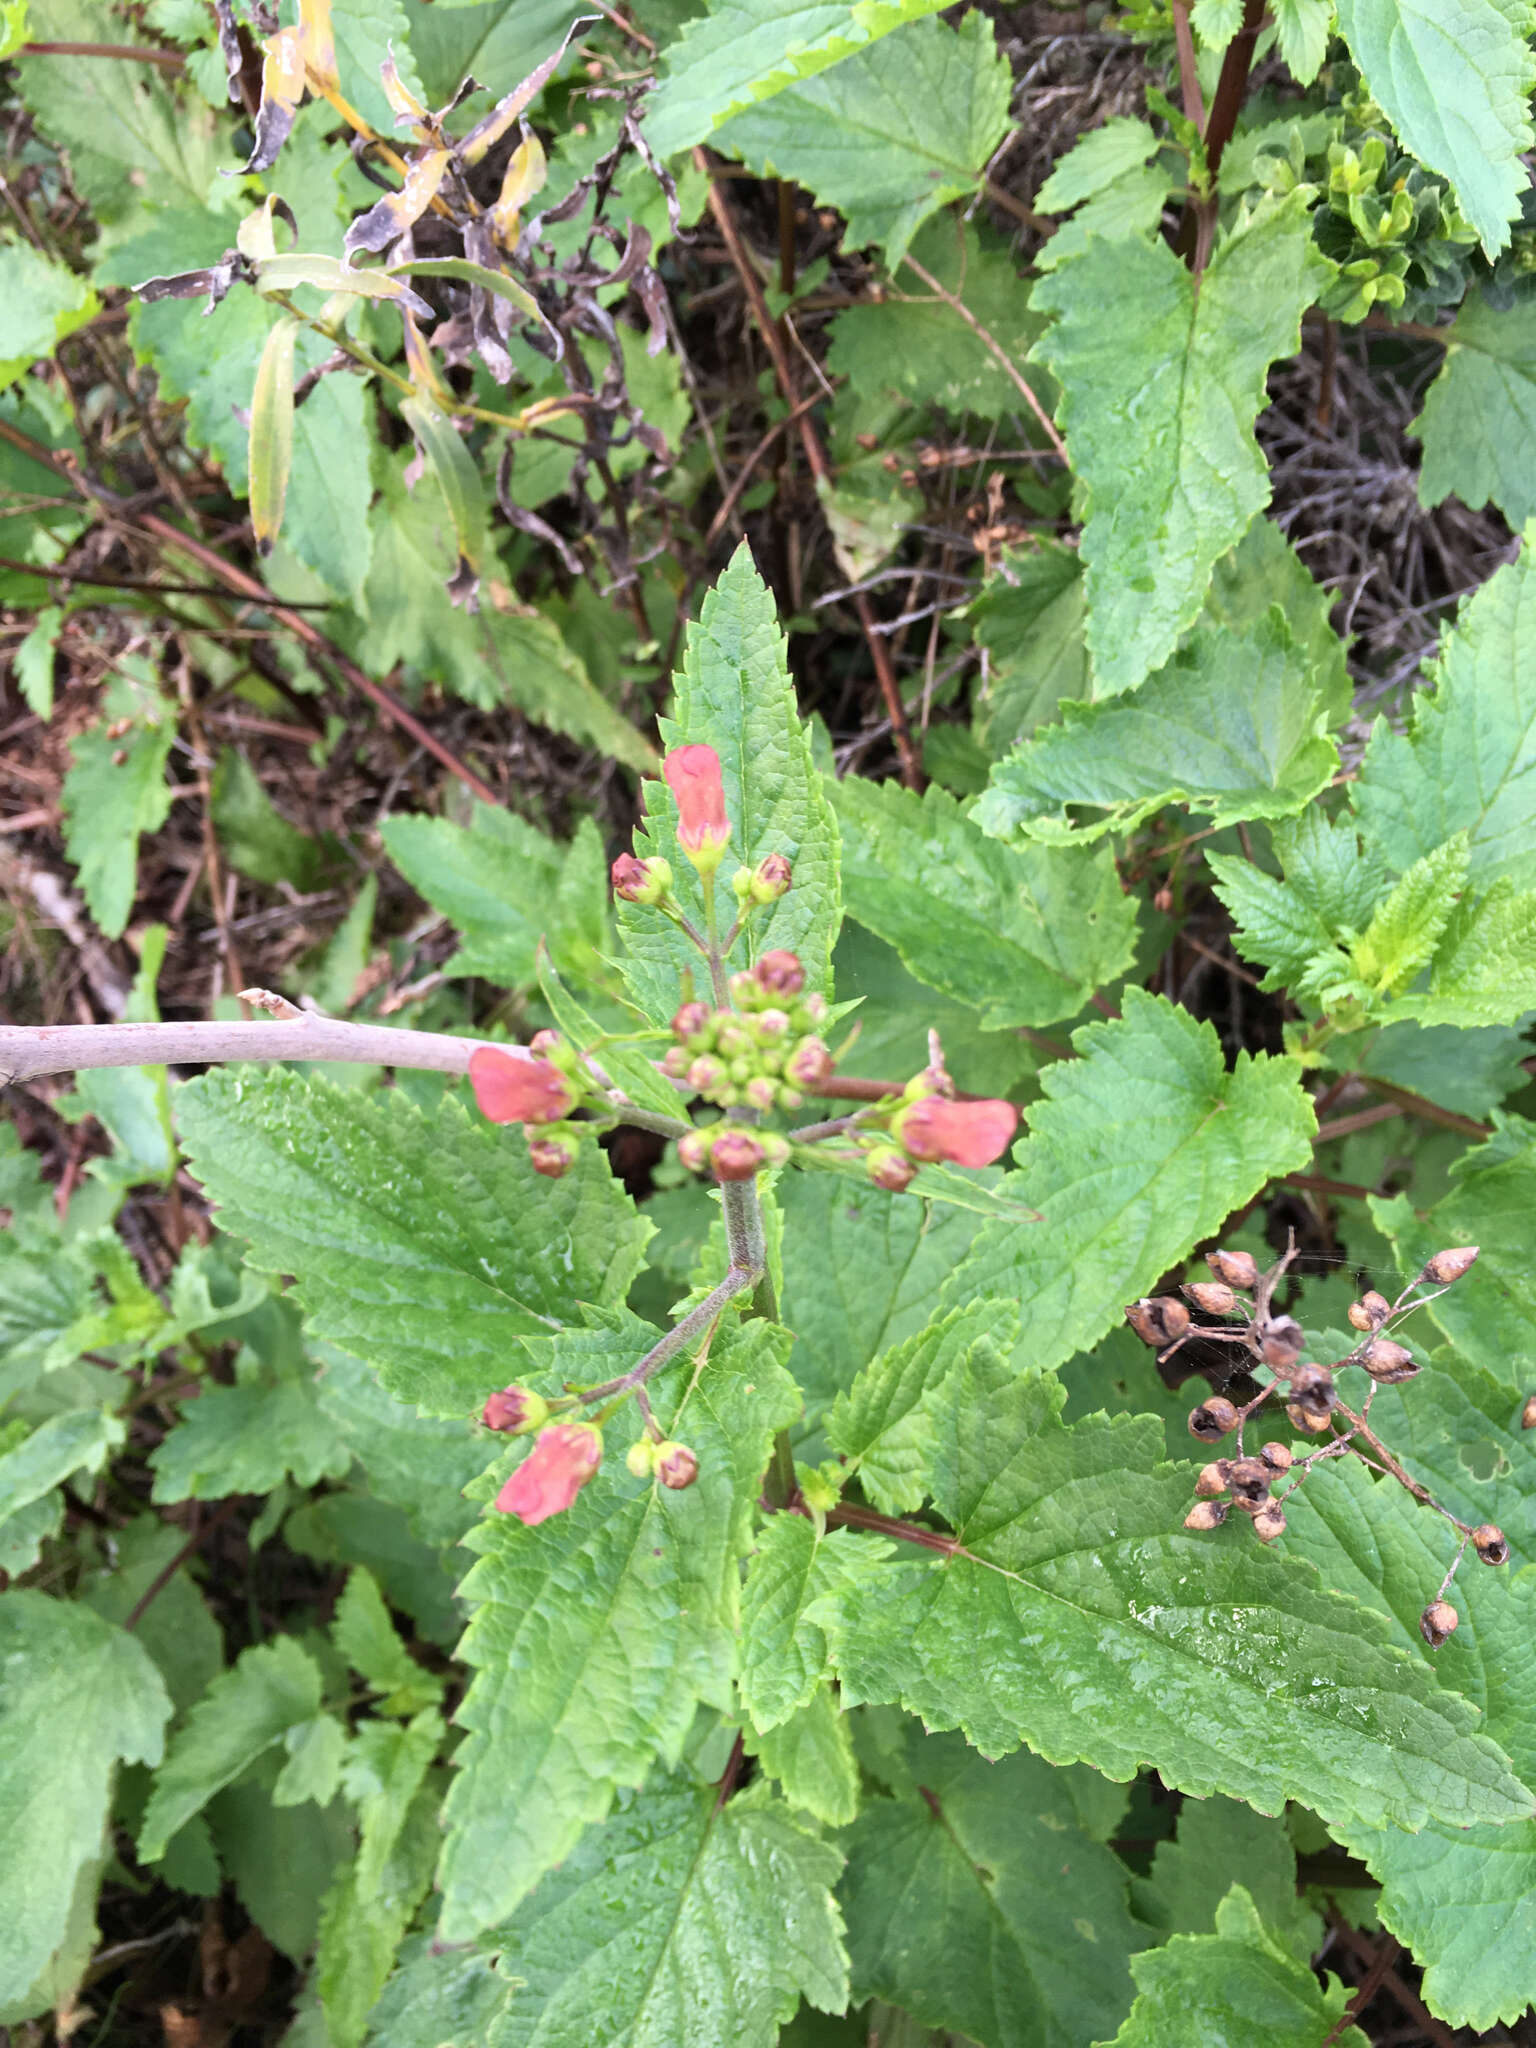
554	1472
693	776
964	1133
512	1087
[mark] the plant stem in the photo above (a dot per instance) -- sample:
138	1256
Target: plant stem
737	1280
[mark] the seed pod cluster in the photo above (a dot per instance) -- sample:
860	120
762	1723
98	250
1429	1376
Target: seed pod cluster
1313	1398
1248	1482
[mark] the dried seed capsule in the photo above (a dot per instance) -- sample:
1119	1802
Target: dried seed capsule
1234	1269
1207	1514
1437	1622
1213	1419
1304	1419
1280	1342
1528	1413
1278	1457
1370	1311
1212	1298
1249	1479
1269	1522
1212	1480
1388	1362
1313	1391
1491	1544
1159	1320
1445	1267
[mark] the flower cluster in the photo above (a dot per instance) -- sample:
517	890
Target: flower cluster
763	1052
568	1454
1243	1297
539	1088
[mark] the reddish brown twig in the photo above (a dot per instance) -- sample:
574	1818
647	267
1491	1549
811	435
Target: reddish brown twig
129	53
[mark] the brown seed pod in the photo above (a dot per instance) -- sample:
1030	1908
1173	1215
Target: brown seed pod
1280	1342
1437	1622
1213	1419
1269	1522
1234	1269
1212	1480
1370	1311
1528	1413
1305	1420
1249	1479
1447	1266
1212	1298
1312	1389
1207	1514
1278	1457
1158	1321
1490	1543
1387	1362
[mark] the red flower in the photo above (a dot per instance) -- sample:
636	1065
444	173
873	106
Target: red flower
964	1133
512	1087
693	776
554	1472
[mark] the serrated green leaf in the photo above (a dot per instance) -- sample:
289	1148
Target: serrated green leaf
254	836
1024	935
677	1926
417	1463
280	1858
115	790
325	521
976	1902
1455	77
1190	1874
81	1439
79	1696
40	303
1204	1990
1478	425
34	658
596	1632
1405	928
733	693
1304	27
743	51
1468	763
1161	436
426	1246
1139	1149
365	33
883	1423
862	1270
1030	618
312	1767
365	1636
176	1627
247	1439
1097	160
784	1656
504	884
1186	737
245	1712
1484	970
1082	1619
438	1998
891	133
628	1067
916	346
1216	22
1331	888
810	1757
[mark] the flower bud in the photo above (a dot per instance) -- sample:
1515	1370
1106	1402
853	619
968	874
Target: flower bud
1528	1413
771	1026
959	1133
1445	1267
515	1088
641	1457
693	1150
554	1472
815	1007
895	1172
1308	1421
1161	1320
1207	1514
516	1410
553	1157
771	879
780	973
676	1466
691	1022
1490	1543
1212	1480
1387	1362
809	1065
741	884
675	1062
735	1155
1249	1479
1280	1342
706	1073
693	775
790	1098
761	1092
1370	1311
1437	1622
745	989
1278	1457
1234	1269
775	1148
1269	1522
1213	1419
546	1042
641	881
1212	1298
732	1041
